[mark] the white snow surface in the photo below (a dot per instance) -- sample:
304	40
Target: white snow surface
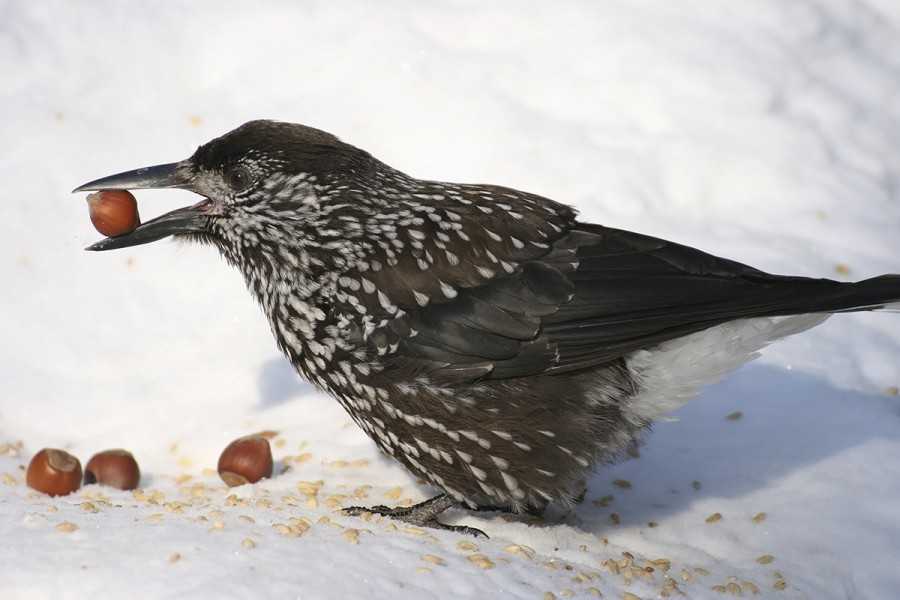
764	131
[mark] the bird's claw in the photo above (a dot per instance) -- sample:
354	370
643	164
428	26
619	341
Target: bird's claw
423	514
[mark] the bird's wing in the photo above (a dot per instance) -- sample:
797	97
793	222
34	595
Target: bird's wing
483	295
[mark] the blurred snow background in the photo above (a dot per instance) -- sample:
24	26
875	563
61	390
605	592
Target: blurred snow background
765	131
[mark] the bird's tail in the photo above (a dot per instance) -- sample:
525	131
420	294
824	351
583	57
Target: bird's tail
671	373
827	296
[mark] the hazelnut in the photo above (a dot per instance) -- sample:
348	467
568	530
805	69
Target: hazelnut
246	460
113	212
54	472
115	468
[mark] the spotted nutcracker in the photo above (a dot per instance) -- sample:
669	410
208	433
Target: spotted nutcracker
482	336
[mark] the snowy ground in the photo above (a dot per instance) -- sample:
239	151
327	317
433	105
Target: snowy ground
765	131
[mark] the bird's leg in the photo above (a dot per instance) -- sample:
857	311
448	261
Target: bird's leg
423	514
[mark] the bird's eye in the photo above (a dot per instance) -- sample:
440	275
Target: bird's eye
239	177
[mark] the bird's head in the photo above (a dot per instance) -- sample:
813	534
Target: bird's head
259	177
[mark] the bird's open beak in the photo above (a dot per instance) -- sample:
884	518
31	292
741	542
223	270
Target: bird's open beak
183	220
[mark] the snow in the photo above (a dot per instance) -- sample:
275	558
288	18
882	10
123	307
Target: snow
767	132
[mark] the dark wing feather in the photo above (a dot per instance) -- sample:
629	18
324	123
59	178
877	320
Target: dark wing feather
554	295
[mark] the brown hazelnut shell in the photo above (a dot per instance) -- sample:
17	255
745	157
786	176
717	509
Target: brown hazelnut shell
116	468
54	472
246	460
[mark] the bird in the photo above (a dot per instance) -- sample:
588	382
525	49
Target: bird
494	345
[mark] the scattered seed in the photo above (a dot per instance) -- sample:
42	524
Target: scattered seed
567	593
630	596
603	502
175	507
466	546
622	483
549	596
524	551
719	588
248	543
736	415
594	592
765	559
89	507
842	269
299	458
663	564
780	584
481	561
67	527
282	529
669	588
310	488
759	517
247	519
197	490
652	524
423	570
893	391
9	479
174	557
696	485
614	518
433	559
750	587
701	571
300	525
394	493
714	518
335	501
734	589
351	535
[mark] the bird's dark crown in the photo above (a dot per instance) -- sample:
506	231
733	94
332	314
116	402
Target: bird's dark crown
289	148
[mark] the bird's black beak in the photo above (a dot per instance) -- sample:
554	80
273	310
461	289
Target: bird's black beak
183	220
170	175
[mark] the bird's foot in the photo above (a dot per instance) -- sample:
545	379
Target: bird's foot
423	514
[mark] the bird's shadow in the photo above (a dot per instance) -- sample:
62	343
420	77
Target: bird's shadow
788	421
278	383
